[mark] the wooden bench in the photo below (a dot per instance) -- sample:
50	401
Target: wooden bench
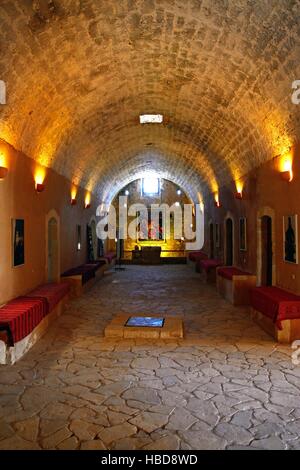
277	311
83	277
25	319
234	284
209	267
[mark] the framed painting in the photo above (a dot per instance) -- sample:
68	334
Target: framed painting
243	233
152	229
18	242
290	238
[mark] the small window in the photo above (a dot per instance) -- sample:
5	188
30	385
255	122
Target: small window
150	186
151	118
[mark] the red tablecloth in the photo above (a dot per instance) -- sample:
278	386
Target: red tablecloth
275	303
207	264
52	292
229	271
20	316
197	255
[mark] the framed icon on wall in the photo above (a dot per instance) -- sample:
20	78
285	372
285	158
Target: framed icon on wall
290	238
18	242
243	233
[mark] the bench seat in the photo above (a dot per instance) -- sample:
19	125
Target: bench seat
100	266
52	292
277	311
110	257
25	319
209	267
84	276
197	255
235	284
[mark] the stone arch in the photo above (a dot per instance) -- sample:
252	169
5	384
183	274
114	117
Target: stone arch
229	239
265	211
52	272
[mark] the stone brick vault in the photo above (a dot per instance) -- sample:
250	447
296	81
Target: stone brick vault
79	73
227	385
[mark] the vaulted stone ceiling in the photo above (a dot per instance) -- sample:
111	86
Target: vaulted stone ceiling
79	73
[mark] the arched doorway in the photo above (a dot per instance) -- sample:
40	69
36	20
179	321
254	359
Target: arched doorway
229	242
266	251
211	241
52	247
52	250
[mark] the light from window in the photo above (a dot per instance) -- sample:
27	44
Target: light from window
150	186
151	118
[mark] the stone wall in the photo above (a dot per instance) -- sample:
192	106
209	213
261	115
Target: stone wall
264	192
18	199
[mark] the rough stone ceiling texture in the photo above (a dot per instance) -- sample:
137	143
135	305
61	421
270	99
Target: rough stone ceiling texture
79	73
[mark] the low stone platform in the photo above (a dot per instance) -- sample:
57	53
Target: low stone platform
172	328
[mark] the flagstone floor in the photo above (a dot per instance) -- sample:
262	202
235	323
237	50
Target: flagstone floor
226	385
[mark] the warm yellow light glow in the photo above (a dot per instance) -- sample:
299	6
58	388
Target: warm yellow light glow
73	192
87	200
39	175
239	186
286	164
3	159
216	196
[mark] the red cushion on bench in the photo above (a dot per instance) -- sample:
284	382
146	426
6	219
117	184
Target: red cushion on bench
20	316
275	303
208	264
229	271
52	292
197	255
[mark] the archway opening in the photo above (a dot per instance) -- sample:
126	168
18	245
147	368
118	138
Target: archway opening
229	242
211	241
53	251
266	251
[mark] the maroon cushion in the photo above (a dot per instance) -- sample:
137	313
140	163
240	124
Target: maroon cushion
208	264
275	303
197	255
20	316
96	264
52	292
86	271
229	271
110	256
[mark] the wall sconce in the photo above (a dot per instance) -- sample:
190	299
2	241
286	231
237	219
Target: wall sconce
39	178
87	201
287	175
217	201
39	187
3	172
73	201
238	195
285	167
